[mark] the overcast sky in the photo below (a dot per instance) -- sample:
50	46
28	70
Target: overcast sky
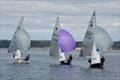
40	16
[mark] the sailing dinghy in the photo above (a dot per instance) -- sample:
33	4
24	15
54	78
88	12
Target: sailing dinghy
19	44
89	49
62	44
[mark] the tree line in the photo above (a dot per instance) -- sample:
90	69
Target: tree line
46	43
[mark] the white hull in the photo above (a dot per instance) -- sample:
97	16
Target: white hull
20	61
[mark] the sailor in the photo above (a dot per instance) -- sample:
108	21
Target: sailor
13	55
102	61
68	62
27	57
89	60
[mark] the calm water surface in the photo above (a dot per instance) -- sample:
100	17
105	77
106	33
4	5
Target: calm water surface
42	67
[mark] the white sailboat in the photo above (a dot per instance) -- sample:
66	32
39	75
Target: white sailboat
55	51
19	44
88	48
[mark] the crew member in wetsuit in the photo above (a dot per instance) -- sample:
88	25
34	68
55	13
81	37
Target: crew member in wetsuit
13	55
27	57
102	61
68	61
89	60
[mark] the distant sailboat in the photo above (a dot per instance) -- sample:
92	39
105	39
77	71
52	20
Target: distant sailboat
88	48
19	44
60	39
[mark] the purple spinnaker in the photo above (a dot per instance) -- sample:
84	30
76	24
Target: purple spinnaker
66	41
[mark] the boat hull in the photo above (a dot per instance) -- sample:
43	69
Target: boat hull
97	65
63	63
20	61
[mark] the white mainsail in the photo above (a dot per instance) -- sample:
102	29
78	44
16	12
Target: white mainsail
86	48
95	56
54	48
20	40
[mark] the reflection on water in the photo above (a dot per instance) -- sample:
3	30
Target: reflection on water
42	67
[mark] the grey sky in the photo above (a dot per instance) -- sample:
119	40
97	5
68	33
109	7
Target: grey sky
40	16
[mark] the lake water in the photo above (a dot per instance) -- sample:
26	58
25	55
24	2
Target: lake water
42	67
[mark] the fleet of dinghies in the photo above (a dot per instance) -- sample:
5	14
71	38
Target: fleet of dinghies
96	42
